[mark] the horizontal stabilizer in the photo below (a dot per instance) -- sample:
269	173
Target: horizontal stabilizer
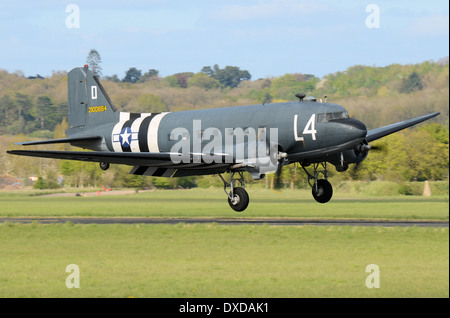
58	141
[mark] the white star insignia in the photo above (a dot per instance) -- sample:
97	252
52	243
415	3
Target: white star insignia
125	137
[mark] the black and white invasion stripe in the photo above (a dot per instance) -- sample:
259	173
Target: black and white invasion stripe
136	132
153	171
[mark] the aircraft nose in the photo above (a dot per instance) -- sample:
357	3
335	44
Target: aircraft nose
358	129
355	123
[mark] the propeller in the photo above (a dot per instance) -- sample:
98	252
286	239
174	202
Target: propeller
362	150
380	147
277	181
281	163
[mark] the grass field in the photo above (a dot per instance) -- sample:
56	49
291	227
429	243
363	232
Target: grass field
212	260
222	261
213	203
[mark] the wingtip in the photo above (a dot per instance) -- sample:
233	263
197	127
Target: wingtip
432	115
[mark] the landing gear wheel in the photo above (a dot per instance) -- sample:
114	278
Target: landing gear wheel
240	199
104	165
324	191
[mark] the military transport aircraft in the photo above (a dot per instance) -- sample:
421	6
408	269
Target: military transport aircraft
259	139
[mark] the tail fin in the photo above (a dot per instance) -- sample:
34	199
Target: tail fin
89	105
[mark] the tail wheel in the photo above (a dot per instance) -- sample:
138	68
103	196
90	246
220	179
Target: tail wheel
104	165
239	200
323	192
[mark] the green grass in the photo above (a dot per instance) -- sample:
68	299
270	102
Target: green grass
213	260
213	203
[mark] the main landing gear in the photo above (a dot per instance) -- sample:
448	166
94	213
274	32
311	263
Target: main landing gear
322	190
237	196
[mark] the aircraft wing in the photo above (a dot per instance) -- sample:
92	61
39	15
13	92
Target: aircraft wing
146	163
378	133
98	156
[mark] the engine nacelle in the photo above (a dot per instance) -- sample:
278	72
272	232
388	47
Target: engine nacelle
355	155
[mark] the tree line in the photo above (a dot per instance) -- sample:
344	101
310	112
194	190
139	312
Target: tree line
230	76
24	114
208	78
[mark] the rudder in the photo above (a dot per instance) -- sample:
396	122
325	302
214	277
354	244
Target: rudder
89	104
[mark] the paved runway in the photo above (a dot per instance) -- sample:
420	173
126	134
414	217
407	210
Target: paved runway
225	221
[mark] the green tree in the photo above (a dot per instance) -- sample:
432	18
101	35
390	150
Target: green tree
438	131
410	155
151	74
204	81
161	183
132	75
186	182
134	181
44	111
24	106
25	122
150	103
40	184
47	113
113	78
208	70
179	79
285	87
415	155
94	60
263	96
60	132
8	112
412	83
80	173
172	80
230	76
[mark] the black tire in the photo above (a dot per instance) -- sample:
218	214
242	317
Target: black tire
324	191
240	201
104	165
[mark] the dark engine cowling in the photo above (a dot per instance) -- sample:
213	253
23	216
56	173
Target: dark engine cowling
355	155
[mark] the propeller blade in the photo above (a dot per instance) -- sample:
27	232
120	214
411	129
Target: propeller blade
277	183
379	147
356	166
367	148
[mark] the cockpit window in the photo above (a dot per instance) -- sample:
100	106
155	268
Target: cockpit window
340	115
321	118
325	117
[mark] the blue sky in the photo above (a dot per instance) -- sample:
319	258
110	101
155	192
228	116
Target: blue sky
265	37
